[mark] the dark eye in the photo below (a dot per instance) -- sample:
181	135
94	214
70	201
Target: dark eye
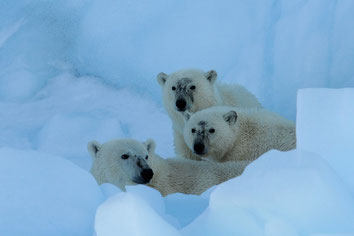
173	88
147	157
193	130
192	87
211	130
125	156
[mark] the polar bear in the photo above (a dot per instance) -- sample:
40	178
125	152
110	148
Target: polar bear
120	162
128	162
194	90
228	133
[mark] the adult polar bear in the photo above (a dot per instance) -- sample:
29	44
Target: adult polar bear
128	162
227	133
194	90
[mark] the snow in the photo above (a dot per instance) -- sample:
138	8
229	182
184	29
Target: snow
273	47
45	195
76	71
325	126
297	190
128	214
69	112
282	193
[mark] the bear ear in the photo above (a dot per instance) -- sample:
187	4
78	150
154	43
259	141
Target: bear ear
186	115
161	78
93	148
230	117
150	145
211	76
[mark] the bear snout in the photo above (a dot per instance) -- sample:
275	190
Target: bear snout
181	104
147	174
199	148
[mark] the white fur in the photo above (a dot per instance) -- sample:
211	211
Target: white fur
252	133
171	175
208	93
109	167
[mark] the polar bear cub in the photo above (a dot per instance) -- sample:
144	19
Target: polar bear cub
127	162
194	90
228	133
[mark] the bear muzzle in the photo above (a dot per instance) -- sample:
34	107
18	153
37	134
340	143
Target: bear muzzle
146	176
199	148
181	104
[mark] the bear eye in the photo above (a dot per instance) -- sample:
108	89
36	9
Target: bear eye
212	130
147	156
125	156
192	87
173	88
193	130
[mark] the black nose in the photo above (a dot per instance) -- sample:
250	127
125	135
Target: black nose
147	174
199	148
181	104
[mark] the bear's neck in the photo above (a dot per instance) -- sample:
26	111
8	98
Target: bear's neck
160	168
244	132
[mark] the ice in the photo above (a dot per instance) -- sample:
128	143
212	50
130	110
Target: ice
76	71
281	193
177	209
325	126
185	208
272	48
35	37
69	112
109	190
19	85
68	135
45	195
129	214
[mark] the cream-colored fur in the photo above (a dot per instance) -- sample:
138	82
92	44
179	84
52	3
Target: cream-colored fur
180	175
109	167
172	175
239	134
207	93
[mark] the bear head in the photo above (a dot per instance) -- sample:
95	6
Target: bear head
188	90
211	132
121	162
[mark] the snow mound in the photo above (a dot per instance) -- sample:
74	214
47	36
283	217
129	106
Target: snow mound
281	193
45	195
325	126
129	214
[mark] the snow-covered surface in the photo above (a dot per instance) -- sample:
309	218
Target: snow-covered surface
325	125
129	214
45	195
282	193
271	47
69	112
293	193
76	71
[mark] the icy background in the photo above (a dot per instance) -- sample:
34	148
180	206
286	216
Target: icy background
76	71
